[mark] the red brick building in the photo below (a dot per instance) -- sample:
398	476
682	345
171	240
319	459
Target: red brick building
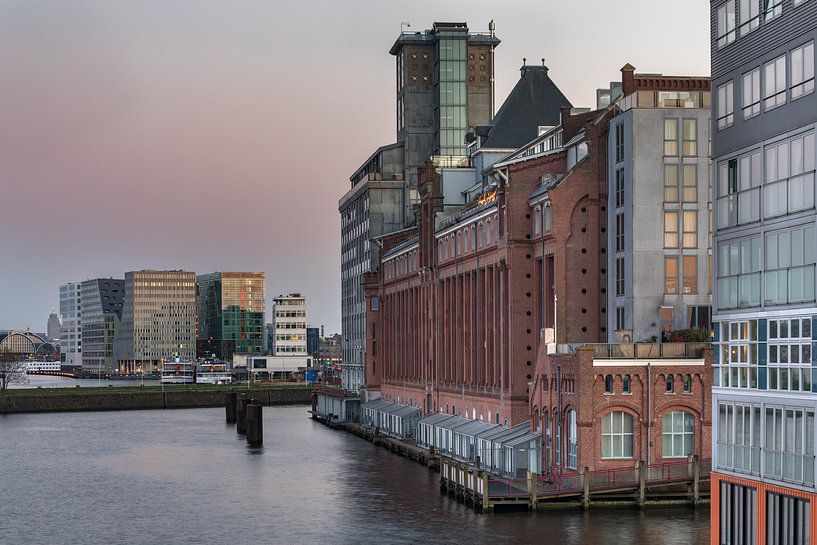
454	310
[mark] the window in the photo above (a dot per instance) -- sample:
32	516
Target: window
572	440
789	445
619	187
626	385
687	383
619	142
789	353
375	303
690	228
619	318
802	70
537	221
774	84
671	183
620	232
749	16
690	282
726	107
548	219
670	229
690	178
739	190
738	514
677	432
670	384
788	520
739	265
738	440
488	233
617	435
726	24
690	138
790	261
773	8
751	93
608	384
670	275
699	317
619	276
671	137
737	354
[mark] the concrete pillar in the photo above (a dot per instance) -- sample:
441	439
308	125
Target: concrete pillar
533	491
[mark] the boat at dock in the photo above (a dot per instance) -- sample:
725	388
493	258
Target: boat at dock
178	372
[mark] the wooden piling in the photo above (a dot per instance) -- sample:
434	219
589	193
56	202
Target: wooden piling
255	425
241	416
230	405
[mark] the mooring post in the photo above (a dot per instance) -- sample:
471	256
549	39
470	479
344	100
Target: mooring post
241	415
255	425
533	491
642	483
585	473
486	498
230	406
696	476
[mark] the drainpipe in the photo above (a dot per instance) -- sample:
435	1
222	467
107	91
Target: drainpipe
649	411
558	424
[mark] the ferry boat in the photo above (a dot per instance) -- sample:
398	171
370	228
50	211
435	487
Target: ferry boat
213	373
178	372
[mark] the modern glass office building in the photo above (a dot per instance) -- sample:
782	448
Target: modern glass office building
230	320
765	250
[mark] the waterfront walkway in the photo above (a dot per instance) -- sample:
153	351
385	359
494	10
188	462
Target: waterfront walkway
685	482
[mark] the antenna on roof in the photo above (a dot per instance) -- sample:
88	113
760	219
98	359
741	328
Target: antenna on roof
404	24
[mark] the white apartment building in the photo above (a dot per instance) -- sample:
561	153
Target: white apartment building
71	329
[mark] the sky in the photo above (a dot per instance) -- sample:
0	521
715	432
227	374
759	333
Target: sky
219	136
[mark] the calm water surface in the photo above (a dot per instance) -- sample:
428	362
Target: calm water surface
184	476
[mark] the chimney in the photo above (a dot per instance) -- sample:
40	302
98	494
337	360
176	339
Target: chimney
628	79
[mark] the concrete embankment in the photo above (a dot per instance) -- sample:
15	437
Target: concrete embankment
122	399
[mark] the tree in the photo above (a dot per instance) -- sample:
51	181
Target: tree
12	370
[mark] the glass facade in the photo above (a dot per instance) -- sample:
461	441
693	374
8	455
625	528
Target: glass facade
231	313
450	94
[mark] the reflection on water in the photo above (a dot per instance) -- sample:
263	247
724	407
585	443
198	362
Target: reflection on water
156	477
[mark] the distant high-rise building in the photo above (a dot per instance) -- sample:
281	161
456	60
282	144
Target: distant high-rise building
71	329
158	320
54	326
313	340
231	308
764	152
102	301
444	89
289	324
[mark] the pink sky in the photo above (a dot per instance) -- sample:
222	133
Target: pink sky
213	136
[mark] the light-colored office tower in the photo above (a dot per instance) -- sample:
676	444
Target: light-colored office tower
71	329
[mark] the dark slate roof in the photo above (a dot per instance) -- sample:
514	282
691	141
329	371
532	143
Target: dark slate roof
535	101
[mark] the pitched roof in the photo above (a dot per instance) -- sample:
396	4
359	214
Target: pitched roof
535	101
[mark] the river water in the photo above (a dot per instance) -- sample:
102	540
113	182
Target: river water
184	476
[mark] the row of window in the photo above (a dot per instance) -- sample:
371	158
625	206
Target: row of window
747	18
788	361
677	435
788	186
785	276
688	276
788	519
626	384
788	77
773	442
481	234
542	218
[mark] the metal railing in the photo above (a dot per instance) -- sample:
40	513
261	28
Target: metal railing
639	351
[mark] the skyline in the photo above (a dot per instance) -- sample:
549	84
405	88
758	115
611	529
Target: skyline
117	114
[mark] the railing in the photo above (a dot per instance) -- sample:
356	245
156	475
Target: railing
739	458
639	350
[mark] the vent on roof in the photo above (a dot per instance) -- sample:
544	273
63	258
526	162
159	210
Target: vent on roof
543	129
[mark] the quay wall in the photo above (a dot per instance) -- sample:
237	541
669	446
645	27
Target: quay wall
109	399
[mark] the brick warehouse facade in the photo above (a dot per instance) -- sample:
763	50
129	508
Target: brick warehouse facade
575	392
454	308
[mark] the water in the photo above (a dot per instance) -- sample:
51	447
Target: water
48	381
184	476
